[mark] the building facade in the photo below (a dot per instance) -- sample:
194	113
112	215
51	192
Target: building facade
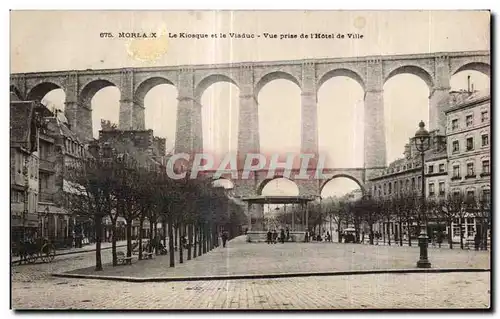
469	156
24	125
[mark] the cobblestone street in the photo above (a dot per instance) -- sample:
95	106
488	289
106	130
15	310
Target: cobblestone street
34	288
446	290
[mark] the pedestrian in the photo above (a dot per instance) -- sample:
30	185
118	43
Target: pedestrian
269	236
282	236
287	234
307	236
477	240
363	237
224	239
275	236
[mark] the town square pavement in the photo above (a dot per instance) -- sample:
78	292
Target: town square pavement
33	287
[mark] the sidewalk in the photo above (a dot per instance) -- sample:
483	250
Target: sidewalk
84	249
242	258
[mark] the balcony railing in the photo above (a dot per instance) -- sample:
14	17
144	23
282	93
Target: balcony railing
47	165
485	174
456	178
469	176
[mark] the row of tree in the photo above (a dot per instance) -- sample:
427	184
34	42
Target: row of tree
407	209
111	187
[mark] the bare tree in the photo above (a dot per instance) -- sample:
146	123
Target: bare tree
92	186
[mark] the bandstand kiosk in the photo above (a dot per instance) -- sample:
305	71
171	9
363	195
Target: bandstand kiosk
256	232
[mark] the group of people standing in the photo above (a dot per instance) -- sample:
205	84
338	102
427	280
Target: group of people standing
272	237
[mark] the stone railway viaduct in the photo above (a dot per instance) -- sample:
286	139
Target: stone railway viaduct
371	72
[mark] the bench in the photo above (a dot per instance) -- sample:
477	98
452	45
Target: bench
122	259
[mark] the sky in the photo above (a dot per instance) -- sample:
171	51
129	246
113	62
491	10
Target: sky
59	40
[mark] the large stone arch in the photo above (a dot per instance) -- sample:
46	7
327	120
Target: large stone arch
274	75
412	69
146	85
208	80
91	88
340	72
40	90
262	184
482	67
354	179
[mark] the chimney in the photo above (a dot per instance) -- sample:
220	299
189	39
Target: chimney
468	83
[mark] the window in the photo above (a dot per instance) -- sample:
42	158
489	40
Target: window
407	184
441	188
486	167
454	124
470	143
385	189
431	189
390	188
413	183
419	182
456	171
486	195
470	169
468	120
456	194
430	169
456	147
485	140
470	195
484	116
441	168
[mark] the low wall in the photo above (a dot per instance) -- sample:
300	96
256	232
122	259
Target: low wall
255	236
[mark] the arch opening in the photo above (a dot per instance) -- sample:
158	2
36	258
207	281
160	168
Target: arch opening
158	96
210	81
483	68
342	187
99	101
223	182
406	103
272	76
219	119
478	81
341	103
280	119
413	70
39	91
340	73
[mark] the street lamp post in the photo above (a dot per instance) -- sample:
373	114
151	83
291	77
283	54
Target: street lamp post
422	143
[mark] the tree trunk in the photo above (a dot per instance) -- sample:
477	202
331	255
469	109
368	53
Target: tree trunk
450	235
151	237
181	248
113	244
409	233
129	238
388	232
400	233
194	241
98	239
461	233
141	223
164	227
205	239
190	243
200	239
339	233
371	233
171	243
176	237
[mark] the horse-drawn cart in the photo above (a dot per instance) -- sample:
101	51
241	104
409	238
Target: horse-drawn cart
30	251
